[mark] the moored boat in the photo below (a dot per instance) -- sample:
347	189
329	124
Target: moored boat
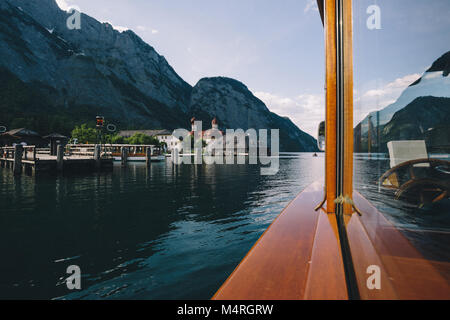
137	153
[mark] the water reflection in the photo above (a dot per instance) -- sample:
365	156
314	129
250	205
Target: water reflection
164	232
428	227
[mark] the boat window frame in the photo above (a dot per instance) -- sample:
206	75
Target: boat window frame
361	234
339	125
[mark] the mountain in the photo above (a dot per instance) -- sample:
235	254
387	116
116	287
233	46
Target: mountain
95	68
435	82
426	118
53	78
235	106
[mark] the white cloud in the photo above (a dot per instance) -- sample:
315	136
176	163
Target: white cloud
145	29
120	28
63	4
305	110
380	95
308	110
311	5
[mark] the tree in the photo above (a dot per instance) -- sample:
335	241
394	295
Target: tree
116	139
140	139
89	135
84	134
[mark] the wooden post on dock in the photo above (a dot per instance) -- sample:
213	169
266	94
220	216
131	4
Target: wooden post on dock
3	155
97	158
34	153
124	156
59	157
17	166
148	156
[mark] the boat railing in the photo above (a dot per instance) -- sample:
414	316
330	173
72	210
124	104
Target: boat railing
109	150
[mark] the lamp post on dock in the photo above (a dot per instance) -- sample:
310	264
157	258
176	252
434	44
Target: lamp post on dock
100	122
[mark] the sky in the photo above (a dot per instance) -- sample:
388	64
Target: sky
413	34
276	48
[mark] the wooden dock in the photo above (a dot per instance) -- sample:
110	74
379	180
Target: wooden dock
30	159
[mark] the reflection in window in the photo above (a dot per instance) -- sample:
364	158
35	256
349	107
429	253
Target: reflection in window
402	118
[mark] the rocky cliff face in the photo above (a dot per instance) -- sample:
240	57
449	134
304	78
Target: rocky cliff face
426	118
95	66
423	96
434	82
52	75
235	106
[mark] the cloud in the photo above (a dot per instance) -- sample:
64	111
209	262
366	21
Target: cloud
308	110
120	28
311	5
63	4
145	29
381	95
305	110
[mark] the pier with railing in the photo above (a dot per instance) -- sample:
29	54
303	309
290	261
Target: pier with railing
70	158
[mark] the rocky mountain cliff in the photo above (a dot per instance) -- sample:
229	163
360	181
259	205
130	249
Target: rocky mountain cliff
97	67
434	82
53	78
427	96
235	106
426	118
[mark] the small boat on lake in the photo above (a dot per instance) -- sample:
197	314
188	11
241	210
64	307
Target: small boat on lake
138	153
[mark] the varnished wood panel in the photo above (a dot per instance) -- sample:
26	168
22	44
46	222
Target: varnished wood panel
330	101
348	102
326	276
279	264
406	274
364	255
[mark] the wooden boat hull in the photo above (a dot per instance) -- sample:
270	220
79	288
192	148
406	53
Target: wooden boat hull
299	258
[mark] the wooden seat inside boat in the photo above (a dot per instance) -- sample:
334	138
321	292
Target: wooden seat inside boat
415	177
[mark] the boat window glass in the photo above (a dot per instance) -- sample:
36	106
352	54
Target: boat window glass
402	129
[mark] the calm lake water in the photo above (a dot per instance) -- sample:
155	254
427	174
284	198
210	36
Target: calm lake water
165	232
162	233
